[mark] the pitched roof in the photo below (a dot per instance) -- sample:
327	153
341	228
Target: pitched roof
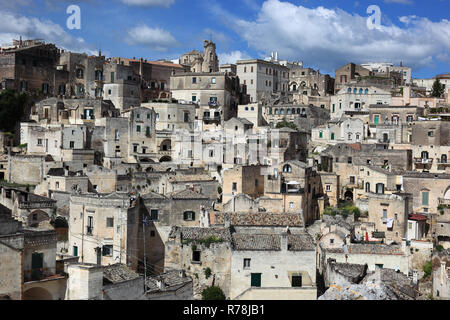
260	219
272	242
357	248
117	273
187	194
172	281
190	178
153	195
196	233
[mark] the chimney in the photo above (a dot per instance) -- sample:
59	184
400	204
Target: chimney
227	220
284	241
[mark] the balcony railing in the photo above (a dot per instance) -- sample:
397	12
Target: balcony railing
208	118
423	161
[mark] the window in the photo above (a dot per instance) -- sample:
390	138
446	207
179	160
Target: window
234	186
291	205
384	213
138	128
328	188
296	281
367	187
153	215
213	80
376	119
90	225
425	198
107	251
194	98
39	142
110	222
194	80
75	251
352	180
380	266
321	134
189	216
152	233
255	280
431	133
72	144
287	168
211	153
57	185
196	256
332	136
350	160
247	263
380	188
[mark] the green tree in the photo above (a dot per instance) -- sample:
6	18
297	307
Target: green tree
438	89
286	124
12	109
213	293
428	269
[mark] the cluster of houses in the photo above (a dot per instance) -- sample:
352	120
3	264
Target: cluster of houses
155	180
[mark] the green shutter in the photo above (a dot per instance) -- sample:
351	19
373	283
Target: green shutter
377	119
256	280
425	198
332	136
75	251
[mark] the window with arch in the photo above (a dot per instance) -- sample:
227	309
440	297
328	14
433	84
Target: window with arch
293	110
298	110
361	91
287	168
276	111
281	111
355	90
367	187
366	91
444	158
380	188
349	90
289	111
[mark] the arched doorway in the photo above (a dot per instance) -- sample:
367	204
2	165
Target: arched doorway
37	293
165	159
37	217
348	195
166	145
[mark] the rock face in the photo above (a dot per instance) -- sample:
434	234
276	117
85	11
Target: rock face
383	284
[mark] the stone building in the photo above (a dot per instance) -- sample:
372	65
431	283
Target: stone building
216	95
343	273
202	62
106	229
340	131
263	78
28	262
173	116
357	98
30	66
349	73
195	250
273	266
441	275
248	180
301	78
85	75
121	85
380	69
390	214
30	209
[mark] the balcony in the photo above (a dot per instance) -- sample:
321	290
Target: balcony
444	202
211	119
213	104
442	165
422	163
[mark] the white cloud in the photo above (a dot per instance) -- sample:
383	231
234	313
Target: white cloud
232	57
330	38
399	1
149	3
155	38
12	26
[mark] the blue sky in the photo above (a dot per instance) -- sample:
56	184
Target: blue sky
324	34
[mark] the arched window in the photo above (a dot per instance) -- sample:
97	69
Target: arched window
298	110
293	110
361	91
289	111
270	110
380	188
355	90
349	90
281	111
367	187
444	158
287	168
366	91
276	111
